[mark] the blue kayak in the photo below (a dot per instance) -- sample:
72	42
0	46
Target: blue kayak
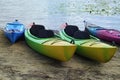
14	31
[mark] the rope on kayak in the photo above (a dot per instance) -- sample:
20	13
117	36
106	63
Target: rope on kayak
72	41
47	41
94	43
55	41
85	42
113	43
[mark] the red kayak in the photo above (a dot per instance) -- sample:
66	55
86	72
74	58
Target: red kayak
110	35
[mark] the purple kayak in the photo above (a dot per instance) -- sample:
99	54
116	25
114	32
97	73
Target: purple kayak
110	35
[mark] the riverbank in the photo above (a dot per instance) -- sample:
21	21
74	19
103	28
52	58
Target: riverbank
20	62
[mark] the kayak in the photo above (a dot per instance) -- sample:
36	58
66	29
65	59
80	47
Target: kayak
14	31
89	47
110	35
52	47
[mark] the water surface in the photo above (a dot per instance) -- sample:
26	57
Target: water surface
52	14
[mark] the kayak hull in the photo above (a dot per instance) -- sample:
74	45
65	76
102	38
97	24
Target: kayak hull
97	54
14	31
13	37
110	35
91	48
59	50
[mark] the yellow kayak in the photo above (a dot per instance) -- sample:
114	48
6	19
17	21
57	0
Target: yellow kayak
89	47
54	47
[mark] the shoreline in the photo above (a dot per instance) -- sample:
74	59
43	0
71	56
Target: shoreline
20	62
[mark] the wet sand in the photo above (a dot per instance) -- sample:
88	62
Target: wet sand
20	62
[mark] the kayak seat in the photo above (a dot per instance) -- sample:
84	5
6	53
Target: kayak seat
70	30
38	26
35	29
40	31
45	33
50	33
74	32
81	35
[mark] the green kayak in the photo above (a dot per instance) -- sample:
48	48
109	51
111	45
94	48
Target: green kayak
52	47
91	47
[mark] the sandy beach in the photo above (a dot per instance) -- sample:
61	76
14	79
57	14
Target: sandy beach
20	62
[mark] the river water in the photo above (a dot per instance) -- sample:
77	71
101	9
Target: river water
53	13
